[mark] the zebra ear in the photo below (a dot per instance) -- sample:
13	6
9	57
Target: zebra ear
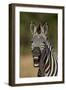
45	28
42	29
32	28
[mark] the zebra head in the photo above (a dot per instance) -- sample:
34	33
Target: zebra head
39	35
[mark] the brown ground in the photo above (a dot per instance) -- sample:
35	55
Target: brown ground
26	67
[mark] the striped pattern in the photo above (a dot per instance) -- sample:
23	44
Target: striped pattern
48	65
38	41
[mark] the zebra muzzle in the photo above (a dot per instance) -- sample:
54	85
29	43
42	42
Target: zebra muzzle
36	61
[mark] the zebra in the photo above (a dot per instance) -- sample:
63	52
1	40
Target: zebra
42	51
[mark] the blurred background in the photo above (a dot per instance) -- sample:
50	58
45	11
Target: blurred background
26	60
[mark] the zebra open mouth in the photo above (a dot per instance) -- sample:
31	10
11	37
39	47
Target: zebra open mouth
36	61
36	56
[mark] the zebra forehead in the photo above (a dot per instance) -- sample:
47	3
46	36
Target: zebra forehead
39	39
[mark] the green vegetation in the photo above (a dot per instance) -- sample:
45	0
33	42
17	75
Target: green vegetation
25	34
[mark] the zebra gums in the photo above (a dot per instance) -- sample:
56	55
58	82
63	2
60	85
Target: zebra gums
42	52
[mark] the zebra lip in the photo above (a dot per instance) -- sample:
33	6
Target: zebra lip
36	65
35	57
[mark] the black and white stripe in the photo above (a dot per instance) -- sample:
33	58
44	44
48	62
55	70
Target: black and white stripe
48	64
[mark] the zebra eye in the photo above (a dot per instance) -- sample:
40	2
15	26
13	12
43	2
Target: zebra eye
44	42
31	41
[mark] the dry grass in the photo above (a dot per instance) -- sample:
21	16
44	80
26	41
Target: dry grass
26	67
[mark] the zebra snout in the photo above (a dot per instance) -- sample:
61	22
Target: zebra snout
36	56
36	61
